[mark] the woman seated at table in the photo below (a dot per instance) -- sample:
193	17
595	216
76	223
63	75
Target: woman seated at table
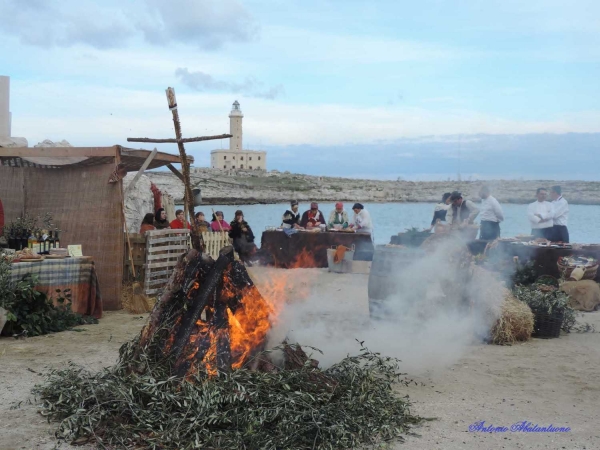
291	217
218	224
243	237
361	221
160	219
338	218
313	217
147	223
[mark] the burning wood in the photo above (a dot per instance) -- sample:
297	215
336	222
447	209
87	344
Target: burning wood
211	315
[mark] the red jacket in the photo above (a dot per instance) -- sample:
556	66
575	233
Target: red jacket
178	225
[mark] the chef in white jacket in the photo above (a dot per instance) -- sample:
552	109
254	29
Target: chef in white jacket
362	220
560	232
541	215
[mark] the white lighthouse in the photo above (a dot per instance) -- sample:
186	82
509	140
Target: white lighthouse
237	158
235	127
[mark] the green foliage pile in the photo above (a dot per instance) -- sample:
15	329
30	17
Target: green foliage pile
348	405
32	311
525	275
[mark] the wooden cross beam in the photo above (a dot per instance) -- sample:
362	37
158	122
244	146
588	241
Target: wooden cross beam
177	141
197	241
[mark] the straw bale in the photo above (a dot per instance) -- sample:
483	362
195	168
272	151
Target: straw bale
127	297
514	324
512	319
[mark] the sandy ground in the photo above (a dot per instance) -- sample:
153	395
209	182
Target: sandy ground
542	381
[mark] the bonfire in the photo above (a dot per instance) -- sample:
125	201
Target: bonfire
199	376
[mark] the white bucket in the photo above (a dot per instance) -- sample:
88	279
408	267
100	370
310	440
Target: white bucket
339	267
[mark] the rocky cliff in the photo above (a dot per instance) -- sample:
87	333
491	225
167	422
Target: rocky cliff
229	187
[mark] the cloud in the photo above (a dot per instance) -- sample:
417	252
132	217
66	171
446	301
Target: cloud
272	93
204	82
39	23
206	24
340	47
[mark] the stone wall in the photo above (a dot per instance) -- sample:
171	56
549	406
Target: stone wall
239	187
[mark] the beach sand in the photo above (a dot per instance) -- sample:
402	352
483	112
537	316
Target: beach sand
542	381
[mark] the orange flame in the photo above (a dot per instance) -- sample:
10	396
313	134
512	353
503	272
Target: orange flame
257	311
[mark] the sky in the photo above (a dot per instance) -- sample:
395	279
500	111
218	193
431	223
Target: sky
424	90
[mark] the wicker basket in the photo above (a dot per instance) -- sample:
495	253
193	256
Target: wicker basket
589	272
547	326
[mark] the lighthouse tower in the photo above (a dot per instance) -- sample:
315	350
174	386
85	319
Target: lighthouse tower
235	127
236	157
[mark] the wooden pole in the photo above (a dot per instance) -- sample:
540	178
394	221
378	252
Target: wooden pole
197	241
176	172
142	169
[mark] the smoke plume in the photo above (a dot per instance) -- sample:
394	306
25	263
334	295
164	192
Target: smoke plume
438	310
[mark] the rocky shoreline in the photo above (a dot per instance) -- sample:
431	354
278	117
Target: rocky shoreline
253	187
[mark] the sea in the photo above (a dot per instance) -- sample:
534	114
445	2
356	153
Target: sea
393	218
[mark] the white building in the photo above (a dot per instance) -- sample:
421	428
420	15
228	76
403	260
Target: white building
4	106
6	140
236	157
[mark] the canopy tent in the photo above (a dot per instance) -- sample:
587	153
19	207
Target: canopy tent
82	188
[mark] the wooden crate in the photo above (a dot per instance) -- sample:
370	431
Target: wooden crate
163	248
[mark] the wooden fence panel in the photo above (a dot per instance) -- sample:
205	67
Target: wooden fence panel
215	241
163	248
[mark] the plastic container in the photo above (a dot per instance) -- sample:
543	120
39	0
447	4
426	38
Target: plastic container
339	267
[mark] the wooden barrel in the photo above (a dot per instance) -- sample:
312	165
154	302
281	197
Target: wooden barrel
387	263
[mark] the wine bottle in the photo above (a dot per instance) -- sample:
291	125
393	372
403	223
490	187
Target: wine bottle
38	244
51	242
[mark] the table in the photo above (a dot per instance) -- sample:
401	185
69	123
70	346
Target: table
77	274
309	249
543	258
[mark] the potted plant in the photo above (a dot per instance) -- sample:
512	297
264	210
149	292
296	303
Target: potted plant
18	231
550	308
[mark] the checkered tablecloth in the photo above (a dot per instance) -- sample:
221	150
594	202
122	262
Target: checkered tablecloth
76	274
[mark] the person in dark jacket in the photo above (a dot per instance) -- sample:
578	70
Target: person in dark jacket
160	219
242	236
439	214
462	211
313	217
291	217
203	225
